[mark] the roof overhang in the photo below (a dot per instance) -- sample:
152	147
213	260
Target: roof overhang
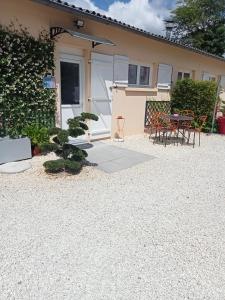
54	31
70	8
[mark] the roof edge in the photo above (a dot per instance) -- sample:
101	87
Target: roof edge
58	4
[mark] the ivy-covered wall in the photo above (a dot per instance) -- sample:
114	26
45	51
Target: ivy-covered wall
24	61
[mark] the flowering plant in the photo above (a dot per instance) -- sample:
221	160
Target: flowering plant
24	60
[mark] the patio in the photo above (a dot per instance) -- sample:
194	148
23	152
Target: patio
152	231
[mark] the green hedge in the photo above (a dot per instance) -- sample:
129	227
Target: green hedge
198	96
24	60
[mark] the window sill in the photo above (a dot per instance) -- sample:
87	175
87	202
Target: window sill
140	89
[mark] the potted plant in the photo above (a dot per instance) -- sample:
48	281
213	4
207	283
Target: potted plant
38	135
221	119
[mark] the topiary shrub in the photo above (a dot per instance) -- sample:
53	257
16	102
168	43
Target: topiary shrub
198	96
72	157
72	167
54	166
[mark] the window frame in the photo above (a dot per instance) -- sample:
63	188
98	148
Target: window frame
165	86
184	72
77	59
211	76
139	65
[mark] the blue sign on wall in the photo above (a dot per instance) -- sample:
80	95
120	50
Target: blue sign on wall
49	82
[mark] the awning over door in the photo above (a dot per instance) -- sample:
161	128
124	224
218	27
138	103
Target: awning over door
92	38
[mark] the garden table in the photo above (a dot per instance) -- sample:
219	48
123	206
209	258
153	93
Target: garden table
180	119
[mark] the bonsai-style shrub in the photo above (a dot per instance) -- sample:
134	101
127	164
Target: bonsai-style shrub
72	158
198	96
54	166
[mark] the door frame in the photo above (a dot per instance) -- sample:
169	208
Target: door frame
103	134
73	58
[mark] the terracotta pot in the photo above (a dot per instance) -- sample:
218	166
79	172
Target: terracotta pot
36	151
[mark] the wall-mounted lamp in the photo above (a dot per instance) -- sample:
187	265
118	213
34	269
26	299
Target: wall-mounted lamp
79	23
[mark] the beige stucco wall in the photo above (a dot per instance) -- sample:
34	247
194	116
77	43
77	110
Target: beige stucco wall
129	103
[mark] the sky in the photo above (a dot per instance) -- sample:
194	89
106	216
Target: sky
145	14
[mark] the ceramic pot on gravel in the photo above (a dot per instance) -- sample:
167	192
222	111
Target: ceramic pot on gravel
36	151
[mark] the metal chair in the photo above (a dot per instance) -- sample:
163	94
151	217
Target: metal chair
164	126
153	123
197	129
186	124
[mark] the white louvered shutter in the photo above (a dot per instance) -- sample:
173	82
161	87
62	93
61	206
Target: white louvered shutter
164	76
222	82
121	70
205	76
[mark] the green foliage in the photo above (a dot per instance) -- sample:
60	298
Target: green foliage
38	135
54	166
59	165
71	156
89	116
23	63
63	137
48	147
201	23
198	96
79	155
72	167
77	125
54	130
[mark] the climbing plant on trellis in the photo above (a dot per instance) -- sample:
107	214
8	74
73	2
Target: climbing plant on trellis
24	60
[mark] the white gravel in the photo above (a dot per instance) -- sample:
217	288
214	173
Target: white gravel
155	231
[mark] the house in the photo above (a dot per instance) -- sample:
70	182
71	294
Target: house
107	67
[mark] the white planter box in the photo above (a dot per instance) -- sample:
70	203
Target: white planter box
14	149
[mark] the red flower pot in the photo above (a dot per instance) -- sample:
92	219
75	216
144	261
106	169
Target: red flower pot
221	125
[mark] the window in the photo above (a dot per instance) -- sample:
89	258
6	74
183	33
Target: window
70	83
187	75
138	75
144	75
183	75
164	76
208	76
132	74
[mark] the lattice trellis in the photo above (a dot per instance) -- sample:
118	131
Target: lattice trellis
155	106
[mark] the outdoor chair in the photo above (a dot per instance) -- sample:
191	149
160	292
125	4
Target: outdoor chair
153	123
164	126
197	129
186	125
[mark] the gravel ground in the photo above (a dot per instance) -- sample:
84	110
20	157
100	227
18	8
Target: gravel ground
154	231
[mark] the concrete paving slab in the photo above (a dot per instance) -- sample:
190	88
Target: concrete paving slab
15	167
112	159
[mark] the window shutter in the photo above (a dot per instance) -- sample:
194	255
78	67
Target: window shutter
121	70
222	82
205	76
208	76
164	76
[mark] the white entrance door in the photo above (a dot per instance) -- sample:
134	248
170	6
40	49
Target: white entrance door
101	94
71	68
